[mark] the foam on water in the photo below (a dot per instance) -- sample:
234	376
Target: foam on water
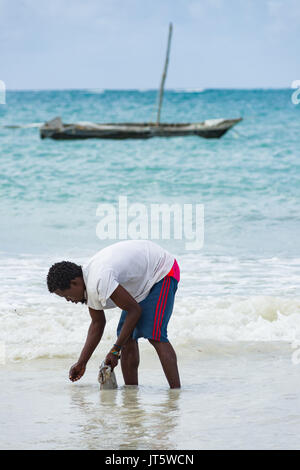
37	324
52	329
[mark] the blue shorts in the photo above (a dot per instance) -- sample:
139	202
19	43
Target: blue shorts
157	308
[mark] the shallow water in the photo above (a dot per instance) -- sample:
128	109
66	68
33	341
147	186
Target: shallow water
246	398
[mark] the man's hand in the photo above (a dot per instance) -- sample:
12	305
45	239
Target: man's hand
76	371
94	335
111	360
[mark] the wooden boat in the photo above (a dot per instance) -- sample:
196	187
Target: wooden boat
210	129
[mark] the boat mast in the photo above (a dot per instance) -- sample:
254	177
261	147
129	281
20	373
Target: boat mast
163	78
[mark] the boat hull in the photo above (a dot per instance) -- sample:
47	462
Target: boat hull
212	129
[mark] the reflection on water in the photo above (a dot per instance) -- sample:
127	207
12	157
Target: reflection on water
127	418
242	400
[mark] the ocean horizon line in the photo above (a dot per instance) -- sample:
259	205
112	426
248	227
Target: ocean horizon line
142	90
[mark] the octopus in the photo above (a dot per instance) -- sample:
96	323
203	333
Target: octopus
106	377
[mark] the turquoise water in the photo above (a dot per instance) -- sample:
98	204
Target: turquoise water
248	182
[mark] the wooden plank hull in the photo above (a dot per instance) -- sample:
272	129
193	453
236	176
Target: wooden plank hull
211	129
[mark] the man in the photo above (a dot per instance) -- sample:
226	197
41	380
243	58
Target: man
137	276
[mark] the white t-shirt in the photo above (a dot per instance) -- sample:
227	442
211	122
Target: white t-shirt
135	264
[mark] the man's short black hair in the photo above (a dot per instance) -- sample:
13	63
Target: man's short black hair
61	274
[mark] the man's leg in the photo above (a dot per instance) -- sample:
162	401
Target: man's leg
168	361
130	359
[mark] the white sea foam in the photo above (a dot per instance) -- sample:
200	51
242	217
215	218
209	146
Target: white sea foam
37	324
256	318
188	90
96	91
50	327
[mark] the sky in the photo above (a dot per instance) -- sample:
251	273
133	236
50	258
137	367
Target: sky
121	44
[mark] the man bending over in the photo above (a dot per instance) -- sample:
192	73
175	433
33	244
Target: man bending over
139	277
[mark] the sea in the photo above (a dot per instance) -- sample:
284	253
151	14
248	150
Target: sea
236	320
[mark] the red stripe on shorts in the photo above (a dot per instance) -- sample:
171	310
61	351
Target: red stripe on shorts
159	305
163	311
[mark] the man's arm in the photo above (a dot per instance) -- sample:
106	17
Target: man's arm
94	336
124	300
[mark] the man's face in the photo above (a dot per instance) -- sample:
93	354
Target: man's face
75	293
